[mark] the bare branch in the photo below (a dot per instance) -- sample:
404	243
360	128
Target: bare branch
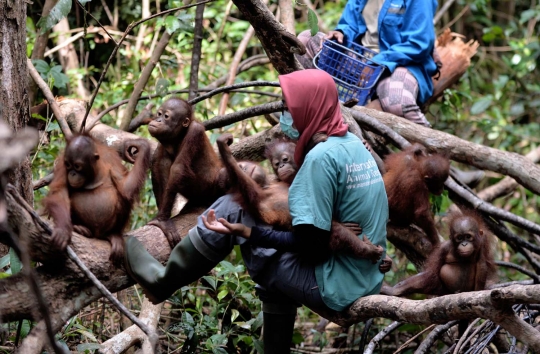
115	50
380	336
221	121
508	184
234	67
143	80
196	56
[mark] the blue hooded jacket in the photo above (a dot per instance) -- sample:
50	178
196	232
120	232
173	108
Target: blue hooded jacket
406	37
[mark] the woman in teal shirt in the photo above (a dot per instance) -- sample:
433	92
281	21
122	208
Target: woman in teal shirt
337	179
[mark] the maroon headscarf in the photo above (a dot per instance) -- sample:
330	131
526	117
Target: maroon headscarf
312	99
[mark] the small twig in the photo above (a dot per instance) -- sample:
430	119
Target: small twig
143	79
527	272
231	87
221	121
464	336
115	50
404	345
42	182
442	11
30	274
196	56
432	337
375	341
517	243
152	335
50	98
259	59
365	333
234	67
492	210
95	19
451	23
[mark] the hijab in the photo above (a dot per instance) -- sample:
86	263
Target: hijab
312	99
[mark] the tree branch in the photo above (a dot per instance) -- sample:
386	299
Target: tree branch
50	98
483	157
143	80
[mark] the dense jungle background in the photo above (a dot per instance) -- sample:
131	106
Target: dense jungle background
496	103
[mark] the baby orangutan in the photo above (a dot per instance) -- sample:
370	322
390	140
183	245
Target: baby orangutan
270	204
463	263
92	192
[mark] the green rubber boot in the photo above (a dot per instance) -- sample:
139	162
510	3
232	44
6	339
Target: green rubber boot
185	265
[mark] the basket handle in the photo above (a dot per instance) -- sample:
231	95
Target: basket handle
345	83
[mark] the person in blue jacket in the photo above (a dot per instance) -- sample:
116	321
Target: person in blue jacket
403	35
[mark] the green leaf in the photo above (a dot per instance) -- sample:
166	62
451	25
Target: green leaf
481	105
172	24
14	261
88	346
234	314
222	294
258	344
25	328
258	322
313	22
84	2
219	351
88	335
4	261
60	80
297	338
42	67
527	15
58	12
162	87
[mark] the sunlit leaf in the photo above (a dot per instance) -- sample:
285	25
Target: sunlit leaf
234	314
222	294
313	22
58	12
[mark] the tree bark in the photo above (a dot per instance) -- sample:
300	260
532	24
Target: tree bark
279	44
14	104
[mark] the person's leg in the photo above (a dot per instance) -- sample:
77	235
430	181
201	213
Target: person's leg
286	282
397	94
313	45
193	257
185	265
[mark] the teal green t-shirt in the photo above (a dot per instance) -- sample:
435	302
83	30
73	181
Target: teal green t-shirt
339	179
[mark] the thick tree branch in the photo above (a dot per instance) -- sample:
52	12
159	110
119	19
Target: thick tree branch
280	45
480	156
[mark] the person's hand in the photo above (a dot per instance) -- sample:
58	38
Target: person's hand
222	226
337	35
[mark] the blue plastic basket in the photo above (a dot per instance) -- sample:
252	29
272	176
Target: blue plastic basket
355	74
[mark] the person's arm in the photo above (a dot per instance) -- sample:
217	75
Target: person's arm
417	37
303	238
348	23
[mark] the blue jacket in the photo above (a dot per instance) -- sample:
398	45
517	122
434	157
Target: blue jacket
406	37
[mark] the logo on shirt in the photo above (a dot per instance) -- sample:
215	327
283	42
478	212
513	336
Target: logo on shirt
362	174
